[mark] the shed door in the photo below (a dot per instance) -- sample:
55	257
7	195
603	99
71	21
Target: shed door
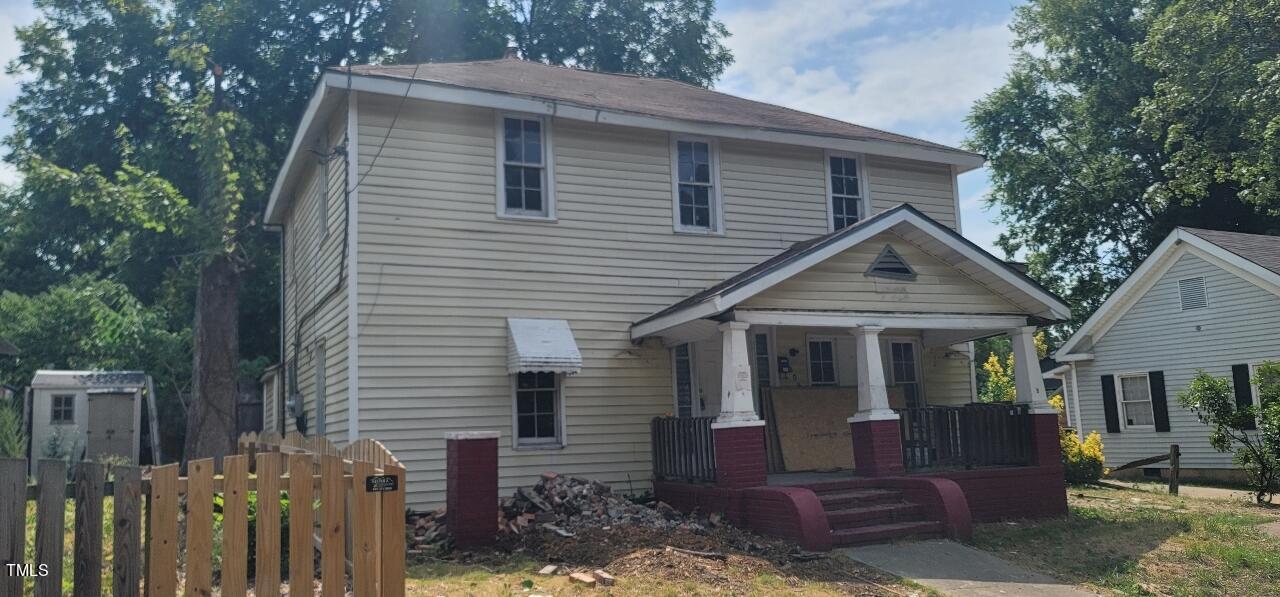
111	426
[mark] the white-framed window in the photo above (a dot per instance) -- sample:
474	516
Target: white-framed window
822	361
63	410
526	174
695	185
1134	391
683	380
847	201
538	411
1193	293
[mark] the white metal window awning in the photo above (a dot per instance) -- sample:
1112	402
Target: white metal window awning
542	345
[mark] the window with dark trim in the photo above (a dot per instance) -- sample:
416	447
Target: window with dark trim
537	408
822	362
524	167
64	409
1135	400
846	191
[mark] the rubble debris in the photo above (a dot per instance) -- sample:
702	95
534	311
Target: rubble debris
715	555
549	570
583	578
604	578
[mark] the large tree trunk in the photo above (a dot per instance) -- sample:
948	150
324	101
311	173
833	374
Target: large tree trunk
211	420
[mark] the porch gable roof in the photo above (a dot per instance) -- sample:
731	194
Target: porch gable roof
726	294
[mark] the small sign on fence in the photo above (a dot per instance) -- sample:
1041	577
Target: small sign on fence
380	483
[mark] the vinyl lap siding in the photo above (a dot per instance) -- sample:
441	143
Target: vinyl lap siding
316	296
439	274
1240	325
928	187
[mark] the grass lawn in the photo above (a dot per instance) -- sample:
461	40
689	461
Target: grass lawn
1140	543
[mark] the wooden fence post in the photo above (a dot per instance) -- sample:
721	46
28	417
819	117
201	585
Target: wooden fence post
200	527
91	478
301	522
393	540
267	568
51	524
235	525
162	545
333	494
13	521
127	542
1175	465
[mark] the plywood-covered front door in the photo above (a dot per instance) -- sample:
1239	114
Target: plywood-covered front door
111	426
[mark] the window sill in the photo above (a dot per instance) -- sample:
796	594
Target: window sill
523	218
698	232
537	447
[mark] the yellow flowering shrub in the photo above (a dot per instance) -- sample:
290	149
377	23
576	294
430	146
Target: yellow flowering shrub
1082	460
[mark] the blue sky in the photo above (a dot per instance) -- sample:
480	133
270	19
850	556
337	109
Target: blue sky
908	66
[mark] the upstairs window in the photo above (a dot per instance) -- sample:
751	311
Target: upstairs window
696	193
845	189
524	179
1192	293
889	264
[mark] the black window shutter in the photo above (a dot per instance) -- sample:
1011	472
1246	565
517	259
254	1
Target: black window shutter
1109	403
1244	392
1159	403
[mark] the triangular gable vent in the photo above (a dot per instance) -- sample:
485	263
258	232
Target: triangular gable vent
889	264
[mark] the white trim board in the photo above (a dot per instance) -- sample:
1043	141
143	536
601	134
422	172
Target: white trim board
426	90
1153	268
353	265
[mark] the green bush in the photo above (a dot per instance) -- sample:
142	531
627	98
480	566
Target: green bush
13	442
1081	460
218	503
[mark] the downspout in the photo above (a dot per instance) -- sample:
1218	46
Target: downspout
282	378
1075	401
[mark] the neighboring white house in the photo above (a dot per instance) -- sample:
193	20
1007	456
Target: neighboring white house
93	414
562	255
1204	299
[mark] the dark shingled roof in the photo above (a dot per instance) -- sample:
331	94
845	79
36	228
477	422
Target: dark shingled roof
662	98
1259	248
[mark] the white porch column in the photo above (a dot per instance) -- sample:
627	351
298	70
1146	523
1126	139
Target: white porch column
737	405
1026	371
873	395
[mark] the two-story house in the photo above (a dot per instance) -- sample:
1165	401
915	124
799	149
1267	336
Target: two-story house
562	256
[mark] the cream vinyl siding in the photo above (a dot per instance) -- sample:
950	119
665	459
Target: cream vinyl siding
928	187
1241	324
316	298
439	274
839	283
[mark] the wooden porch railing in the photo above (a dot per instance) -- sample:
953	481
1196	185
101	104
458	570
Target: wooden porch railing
969	436
683	449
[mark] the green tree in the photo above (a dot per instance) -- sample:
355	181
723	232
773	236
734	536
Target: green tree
1232	426
1084	146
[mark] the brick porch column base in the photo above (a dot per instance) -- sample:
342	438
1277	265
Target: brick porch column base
740	455
472	487
1046	449
877	448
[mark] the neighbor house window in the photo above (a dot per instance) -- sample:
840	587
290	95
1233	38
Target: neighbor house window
845	188
524	181
696	195
1135	400
683	365
822	362
537	409
64	410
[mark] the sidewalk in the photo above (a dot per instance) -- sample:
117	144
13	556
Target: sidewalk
955	569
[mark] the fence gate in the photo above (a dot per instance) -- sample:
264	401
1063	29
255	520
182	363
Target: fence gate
268	510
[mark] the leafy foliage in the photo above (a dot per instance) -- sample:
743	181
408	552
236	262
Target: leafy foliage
1082	460
13	441
1257	452
1000	385
1122	119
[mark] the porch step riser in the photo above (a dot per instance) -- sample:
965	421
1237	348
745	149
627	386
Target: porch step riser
874	515
846	501
883	533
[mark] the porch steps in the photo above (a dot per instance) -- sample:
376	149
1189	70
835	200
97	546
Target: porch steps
859	515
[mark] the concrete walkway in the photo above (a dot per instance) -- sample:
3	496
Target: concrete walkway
955	569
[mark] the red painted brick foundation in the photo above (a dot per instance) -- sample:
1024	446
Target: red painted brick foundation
472	487
877	448
740	457
789	512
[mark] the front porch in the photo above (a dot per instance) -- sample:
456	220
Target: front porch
827	393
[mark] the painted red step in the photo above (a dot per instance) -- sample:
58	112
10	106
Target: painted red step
855	498
920	529
874	514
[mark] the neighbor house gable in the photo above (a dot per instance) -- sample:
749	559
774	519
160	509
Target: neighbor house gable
1180	242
